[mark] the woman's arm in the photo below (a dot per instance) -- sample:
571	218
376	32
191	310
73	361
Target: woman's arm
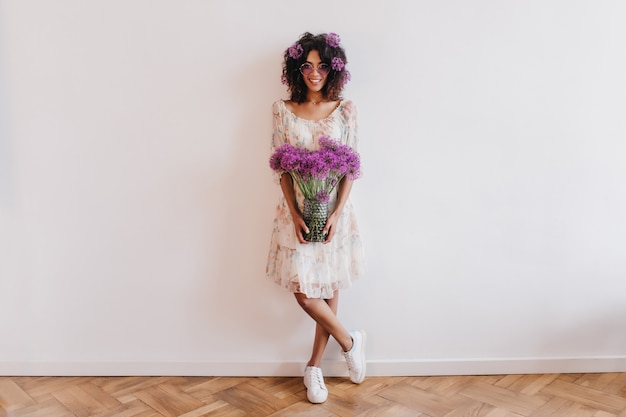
286	184
343	192
351	138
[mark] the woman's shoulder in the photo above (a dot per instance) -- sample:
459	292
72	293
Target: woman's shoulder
277	105
279	108
282	106
347	103
348	109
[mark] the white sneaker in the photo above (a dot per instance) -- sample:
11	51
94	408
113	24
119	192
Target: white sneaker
355	357
316	390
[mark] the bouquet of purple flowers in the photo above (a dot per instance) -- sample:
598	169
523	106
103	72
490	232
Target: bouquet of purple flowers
317	173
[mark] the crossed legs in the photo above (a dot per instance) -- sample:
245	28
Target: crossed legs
324	312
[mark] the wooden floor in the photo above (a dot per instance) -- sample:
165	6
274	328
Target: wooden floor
558	395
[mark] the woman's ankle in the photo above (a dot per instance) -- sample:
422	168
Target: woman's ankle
350	346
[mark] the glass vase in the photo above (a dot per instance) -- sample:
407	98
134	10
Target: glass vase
315	214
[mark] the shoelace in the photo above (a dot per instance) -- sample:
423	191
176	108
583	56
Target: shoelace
349	360
316	377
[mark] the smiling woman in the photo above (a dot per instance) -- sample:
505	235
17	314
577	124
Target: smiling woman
136	203
327	50
314	71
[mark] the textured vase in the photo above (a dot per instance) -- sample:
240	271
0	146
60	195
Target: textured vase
315	215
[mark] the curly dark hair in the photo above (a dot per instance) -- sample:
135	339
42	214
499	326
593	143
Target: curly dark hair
292	77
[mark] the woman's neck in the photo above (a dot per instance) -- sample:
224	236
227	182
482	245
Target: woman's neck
314	98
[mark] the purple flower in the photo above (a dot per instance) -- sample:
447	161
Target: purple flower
295	51
319	169
317	172
291	161
353	167
333	40
275	162
329	158
327	143
276	158
323	196
337	63
347	77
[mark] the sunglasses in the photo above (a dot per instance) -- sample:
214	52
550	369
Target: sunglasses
322	69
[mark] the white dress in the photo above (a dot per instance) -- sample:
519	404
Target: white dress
315	269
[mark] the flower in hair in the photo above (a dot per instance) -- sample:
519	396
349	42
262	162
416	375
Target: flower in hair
333	40
337	64
295	51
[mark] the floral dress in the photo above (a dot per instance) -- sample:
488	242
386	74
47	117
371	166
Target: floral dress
315	269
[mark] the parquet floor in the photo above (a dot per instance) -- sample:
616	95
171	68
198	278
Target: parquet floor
555	395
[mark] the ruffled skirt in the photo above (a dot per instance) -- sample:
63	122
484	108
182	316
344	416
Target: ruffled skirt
315	269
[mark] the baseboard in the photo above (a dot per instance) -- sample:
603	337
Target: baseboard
331	368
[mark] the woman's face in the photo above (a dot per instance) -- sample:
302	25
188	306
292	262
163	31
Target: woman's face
316	77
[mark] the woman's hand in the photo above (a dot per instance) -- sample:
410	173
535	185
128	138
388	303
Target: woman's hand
331	226
343	191
300	227
286	184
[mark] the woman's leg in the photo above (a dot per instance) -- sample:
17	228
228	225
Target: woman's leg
324	314
321	335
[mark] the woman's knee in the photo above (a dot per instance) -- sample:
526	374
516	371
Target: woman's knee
305	302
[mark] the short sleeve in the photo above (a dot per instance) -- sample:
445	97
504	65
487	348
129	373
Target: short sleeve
350	134
278	133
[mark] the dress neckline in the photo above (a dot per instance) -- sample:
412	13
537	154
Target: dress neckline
313	120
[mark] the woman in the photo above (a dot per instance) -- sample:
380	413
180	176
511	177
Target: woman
315	74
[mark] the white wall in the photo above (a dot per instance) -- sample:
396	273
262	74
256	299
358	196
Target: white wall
136	201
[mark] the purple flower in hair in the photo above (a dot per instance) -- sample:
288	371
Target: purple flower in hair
333	40
347	76
337	63
295	51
